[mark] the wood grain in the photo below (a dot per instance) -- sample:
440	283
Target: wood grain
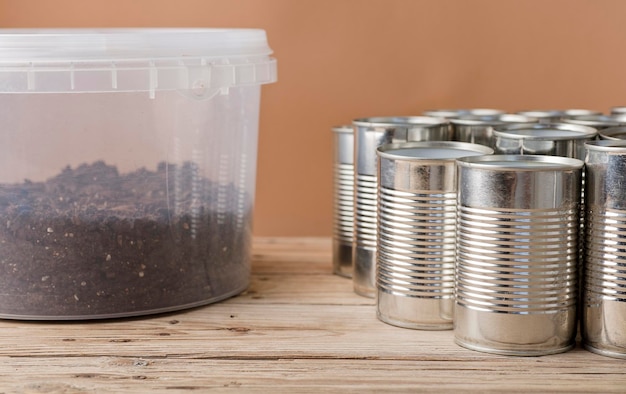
296	329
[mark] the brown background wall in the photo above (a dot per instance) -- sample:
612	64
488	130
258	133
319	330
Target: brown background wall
342	59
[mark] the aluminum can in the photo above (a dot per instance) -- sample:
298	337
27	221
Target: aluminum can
604	289
370	133
479	129
417	232
343	202
613	133
516	277
455	113
553	139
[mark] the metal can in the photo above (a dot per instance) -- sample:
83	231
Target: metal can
577	112
343	202
479	129
554	139
455	113
543	115
613	133
604	290
416	232
598	122
370	133
517	254
620	110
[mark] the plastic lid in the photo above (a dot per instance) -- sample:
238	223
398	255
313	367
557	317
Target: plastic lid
204	61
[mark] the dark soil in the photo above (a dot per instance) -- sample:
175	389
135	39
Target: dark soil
93	243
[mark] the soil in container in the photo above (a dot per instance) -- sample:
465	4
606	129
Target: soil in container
93	243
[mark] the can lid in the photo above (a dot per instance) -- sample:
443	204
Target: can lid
520	162
491	120
431	150
542	113
614	133
129	60
453	113
395	121
596	120
343	129
545	132
615	146
580	112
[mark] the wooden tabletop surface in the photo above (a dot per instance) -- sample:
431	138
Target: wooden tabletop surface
298	328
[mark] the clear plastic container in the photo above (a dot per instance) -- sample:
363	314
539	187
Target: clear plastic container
127	168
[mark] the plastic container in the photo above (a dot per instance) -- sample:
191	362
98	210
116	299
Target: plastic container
128	164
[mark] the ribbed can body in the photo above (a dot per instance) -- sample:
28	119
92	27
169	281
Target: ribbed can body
416	232
516	274
604	302
343	201
370	133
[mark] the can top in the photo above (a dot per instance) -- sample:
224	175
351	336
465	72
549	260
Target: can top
395	121
618	110
520	163
610	146
545	131
209	61
491	120
596	120
432	150
343	129
542	113
580	112
614	133
453	113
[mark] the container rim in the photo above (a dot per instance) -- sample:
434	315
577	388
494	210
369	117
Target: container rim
492	120
386	150
615	146
580	112
596	120
521	131
621	109
611	133
452	113
395	121
498	162
541	113
346	129
84	44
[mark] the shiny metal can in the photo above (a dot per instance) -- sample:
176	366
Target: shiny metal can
416	232
620	110
543	115
370	133
604	290
598	122
479	129
343	202
553	139
455	113
613	133
577	112
516	277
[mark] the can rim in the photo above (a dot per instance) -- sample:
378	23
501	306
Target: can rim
453	113
384	151
541	113
492	120
580	112
516	131
616	145
495	162
395	121
611	133
597	120
347	129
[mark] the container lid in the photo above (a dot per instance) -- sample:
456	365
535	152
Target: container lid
395	121
520	162
596	120
491	120
453	113
545	132
130	60
348	129
611	146
542	113
432	150
614	133
568	113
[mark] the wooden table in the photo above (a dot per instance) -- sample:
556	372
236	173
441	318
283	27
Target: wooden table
298	328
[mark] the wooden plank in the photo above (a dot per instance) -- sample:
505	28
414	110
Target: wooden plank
297	328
